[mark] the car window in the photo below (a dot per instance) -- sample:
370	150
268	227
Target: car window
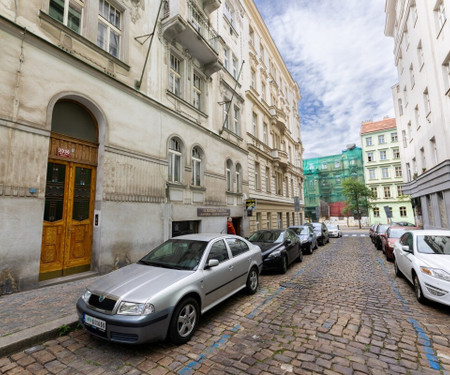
407	240
290	235
395	233
218	251
433	244
265	236
237	246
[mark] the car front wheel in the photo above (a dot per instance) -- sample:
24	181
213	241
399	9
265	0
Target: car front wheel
252	281
418	290
184	321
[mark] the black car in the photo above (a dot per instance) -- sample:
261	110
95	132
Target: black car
321	231
308	239
279	247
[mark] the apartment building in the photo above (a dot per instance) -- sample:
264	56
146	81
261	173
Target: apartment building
113	133
273	130
383	172
421	32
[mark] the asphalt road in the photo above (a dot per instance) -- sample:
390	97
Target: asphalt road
340	311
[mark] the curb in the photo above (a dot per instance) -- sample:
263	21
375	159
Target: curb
18	341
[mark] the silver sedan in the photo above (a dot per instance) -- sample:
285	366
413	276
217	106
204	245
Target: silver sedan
163	295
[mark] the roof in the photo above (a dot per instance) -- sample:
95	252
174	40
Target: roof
369	127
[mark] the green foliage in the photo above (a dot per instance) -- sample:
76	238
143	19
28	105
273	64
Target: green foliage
358	195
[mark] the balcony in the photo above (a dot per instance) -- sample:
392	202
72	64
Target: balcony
278	118
184	23
280	158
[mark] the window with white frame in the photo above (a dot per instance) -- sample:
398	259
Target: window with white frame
394	137
403	212
109	28
175	160
263	91
238	178
372	175
236	119
324	165
255	124
441	16
257	176
411	76
196	91
229	180
268	189
385	172
404	139
369	141
426	102
229	13
383	155
374	190
400	106
68	12
398	171
370	156
196	167
175	75
253	77
381	139
235	68
251	36
376	212
387	191
226	122
226	58
265	134
399	191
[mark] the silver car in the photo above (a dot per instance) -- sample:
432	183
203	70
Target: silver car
163	295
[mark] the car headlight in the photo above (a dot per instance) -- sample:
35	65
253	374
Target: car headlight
436	272
86	295
130	308
274	254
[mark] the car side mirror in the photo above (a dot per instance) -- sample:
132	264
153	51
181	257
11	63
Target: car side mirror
212	263
288	241
406	248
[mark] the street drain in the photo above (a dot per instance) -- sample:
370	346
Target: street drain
291	285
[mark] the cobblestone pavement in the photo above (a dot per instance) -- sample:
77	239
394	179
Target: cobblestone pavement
340	311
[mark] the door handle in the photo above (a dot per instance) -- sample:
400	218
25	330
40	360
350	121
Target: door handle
231	268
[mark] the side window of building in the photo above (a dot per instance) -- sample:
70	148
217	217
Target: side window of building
109	28
175	158
196	166
68	12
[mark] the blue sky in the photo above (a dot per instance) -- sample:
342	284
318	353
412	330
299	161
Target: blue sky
337	52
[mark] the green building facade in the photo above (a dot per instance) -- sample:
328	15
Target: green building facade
323	182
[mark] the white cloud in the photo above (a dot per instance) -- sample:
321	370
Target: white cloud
342	61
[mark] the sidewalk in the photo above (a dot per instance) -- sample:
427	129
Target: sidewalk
27	318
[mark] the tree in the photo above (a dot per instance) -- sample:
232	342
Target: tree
358	195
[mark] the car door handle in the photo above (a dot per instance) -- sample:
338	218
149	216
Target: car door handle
231	268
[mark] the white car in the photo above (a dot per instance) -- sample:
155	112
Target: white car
164	294
334	231
423	257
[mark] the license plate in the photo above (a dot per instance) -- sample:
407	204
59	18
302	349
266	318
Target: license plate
94	322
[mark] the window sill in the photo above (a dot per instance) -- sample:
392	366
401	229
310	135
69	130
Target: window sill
197	188
187	104
177	185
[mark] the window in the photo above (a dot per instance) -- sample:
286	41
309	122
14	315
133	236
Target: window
267	180
440	14
381	139
387	191
404	139
261	49
235	68
394	137
400	107
398	171
396	153
411	76
196	167
324	165
279	220
218	251
269	221
370	157
175	75
265	134
226	122
420	55
238	178
229	181
197	91
417	117
251	36
376	212
385	172
278	183
68	12
403	211
229	13
426	102
372	174
255	125
383	155
258	220
352	162
236	119
399	191
374	190
434	150
226	58
174	160
369	141
109	28
257	176
263	91
337	164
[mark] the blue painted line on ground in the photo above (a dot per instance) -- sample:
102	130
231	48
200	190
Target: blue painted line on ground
423	337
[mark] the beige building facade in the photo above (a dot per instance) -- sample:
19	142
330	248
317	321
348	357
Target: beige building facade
112	132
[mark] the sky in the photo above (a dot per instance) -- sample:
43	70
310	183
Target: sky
337	52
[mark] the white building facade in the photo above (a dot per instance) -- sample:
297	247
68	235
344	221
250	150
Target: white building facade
421	32
112	132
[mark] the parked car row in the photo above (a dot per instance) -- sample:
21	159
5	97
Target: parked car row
421	256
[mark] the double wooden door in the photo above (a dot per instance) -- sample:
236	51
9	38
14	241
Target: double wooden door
68	219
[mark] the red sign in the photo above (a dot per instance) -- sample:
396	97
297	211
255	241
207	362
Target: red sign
64	152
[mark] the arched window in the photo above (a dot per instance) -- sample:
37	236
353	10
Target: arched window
229	167
238	178
174	160
196	167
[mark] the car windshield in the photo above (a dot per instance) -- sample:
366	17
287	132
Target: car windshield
396	233
433	244
267	236
176	254
333	227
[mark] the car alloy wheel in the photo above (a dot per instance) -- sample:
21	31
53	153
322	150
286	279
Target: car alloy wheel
252	281
418	290
184	321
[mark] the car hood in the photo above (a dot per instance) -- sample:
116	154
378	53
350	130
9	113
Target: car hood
267	248
137	282
441	261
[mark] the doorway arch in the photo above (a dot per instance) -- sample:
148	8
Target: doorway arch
70	191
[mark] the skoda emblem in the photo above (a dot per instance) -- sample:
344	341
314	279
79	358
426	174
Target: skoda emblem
101	298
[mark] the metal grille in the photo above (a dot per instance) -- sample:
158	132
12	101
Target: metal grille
106	304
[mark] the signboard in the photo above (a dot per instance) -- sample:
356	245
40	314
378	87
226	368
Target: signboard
63	152
388	212
205	212
250	204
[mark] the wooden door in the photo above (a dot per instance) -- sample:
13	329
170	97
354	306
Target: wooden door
68	219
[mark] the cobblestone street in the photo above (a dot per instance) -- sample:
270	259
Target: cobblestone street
340	311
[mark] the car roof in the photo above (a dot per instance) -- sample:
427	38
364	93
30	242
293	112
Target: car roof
204	236
429	232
